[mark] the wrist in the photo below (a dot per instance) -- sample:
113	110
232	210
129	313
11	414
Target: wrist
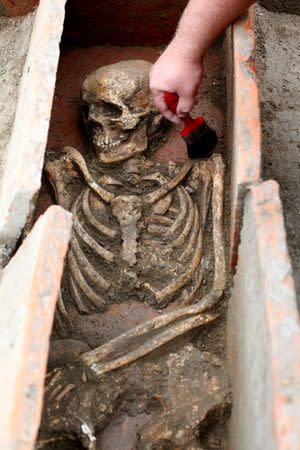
184	51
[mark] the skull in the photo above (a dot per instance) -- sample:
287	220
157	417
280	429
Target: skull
119	115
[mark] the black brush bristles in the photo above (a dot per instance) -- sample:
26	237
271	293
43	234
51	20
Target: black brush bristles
201	142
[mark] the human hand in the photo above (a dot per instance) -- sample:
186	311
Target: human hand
175	71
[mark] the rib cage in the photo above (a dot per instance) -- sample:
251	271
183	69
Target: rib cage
169	252
183	243
85	281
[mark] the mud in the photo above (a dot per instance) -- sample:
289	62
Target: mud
278	60
14	41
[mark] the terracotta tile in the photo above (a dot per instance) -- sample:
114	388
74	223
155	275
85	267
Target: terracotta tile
28	294
21	175
263	330
243	119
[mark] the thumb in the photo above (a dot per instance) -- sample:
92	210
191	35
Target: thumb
185	105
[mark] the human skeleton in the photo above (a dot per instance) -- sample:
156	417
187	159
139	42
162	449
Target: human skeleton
138	236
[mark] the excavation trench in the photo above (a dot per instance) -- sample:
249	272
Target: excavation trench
160	387
138	347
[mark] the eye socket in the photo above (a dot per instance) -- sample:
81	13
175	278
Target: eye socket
110	110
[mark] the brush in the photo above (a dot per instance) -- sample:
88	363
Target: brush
199	138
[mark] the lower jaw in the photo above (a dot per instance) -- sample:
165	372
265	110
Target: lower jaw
117	155
114	154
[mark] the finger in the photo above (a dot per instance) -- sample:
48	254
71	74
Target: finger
159	100
172	117
185	105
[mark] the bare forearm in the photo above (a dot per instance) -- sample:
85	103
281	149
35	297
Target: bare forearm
203	21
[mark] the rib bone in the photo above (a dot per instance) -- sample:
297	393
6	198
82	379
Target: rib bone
193	237
162	206
156	230
76	296
81	282
155	196
184	278
62	316
161	220
183	206
189	223
86	267
91	219
87	239
191	296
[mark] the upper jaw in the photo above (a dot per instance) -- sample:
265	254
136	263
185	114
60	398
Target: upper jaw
105	143
119	148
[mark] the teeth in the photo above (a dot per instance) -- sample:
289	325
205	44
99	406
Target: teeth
107	143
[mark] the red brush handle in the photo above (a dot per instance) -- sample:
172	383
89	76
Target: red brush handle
190	124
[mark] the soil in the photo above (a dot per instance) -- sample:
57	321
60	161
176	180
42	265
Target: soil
14	41
278	61
285	6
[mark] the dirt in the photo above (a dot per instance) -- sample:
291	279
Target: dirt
278	60
285	6
14	41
